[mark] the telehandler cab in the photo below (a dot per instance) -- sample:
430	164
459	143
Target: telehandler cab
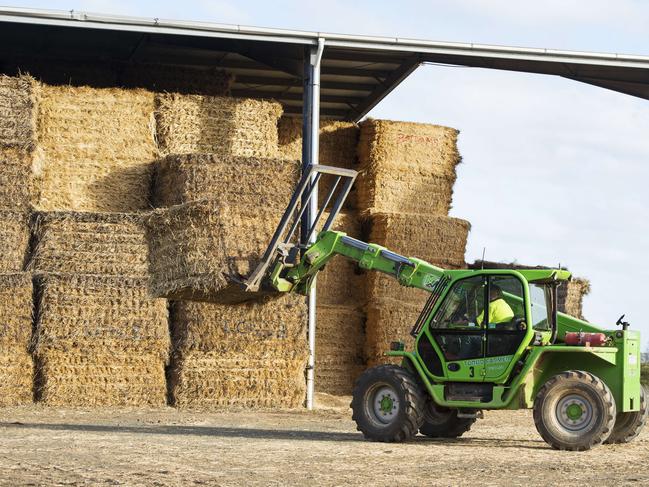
582	382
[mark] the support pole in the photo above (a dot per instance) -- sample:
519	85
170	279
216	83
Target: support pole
310	150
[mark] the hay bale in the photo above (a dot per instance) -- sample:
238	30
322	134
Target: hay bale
406	167
572	303
16	368
19	178
92	379
220	125
339	348
98	148
338	140
63	72
89	243
236	180
438	240
14	235
176	79
99	341
99	313
18	104
202	250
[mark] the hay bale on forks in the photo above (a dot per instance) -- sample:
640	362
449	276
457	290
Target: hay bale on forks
98	147
99	340
221	125
406	167
89	243
248	355
16	367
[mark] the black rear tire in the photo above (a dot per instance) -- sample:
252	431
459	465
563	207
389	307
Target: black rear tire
441	422
387	404
629	425
575	411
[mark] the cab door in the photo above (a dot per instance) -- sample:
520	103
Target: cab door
454	332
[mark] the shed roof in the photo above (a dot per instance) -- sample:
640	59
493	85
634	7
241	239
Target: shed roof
357	71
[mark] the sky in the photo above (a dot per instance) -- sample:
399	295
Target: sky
553	172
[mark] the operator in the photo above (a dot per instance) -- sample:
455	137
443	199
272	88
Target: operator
499	310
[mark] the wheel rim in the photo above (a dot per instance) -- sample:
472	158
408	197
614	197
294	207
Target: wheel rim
384	404
574	412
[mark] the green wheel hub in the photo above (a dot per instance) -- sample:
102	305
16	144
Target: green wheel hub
575	412
385	404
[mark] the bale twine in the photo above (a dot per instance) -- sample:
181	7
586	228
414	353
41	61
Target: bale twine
89	243
99	340
14	235
208	124
16	367
338	141
98	148
248	355
339	348
234	180
187	80
406	167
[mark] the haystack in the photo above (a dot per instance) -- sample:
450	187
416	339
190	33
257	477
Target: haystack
89	243
406	167
208	124
201	251
249	355
14	235
16	368
18	112
176	79
98	146
100	340
572	302
338	140
339	348
234	180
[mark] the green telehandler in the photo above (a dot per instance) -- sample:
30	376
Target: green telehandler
485	339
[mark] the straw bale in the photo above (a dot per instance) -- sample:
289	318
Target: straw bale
438	240
220	125
18	111
96	378
572	304
272	329
235	180
98	148
207	380
200	251
406	167
19	178
101	314
14	235
342	282
63	72
338	140
388	320
16	376
89	243
339	348
177	79
15	311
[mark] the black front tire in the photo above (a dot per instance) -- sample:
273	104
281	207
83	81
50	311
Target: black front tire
629	425
441	422
387	404
575	411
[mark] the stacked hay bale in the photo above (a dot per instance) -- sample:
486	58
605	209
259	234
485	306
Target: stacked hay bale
100	340
175	79
405	190
221	193
16	368
570	295
340	319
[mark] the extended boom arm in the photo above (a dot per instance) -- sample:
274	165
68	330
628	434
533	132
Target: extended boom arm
409	271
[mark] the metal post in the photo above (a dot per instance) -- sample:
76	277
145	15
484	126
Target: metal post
310	149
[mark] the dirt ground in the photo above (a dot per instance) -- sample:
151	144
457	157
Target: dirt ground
40	446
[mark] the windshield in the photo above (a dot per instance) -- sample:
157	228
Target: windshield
541	306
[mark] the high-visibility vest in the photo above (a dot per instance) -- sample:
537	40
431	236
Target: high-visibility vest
499	312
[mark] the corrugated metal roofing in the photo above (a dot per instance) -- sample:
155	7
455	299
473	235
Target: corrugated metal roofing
357	71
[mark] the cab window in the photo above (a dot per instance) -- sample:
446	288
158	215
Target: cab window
539	308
